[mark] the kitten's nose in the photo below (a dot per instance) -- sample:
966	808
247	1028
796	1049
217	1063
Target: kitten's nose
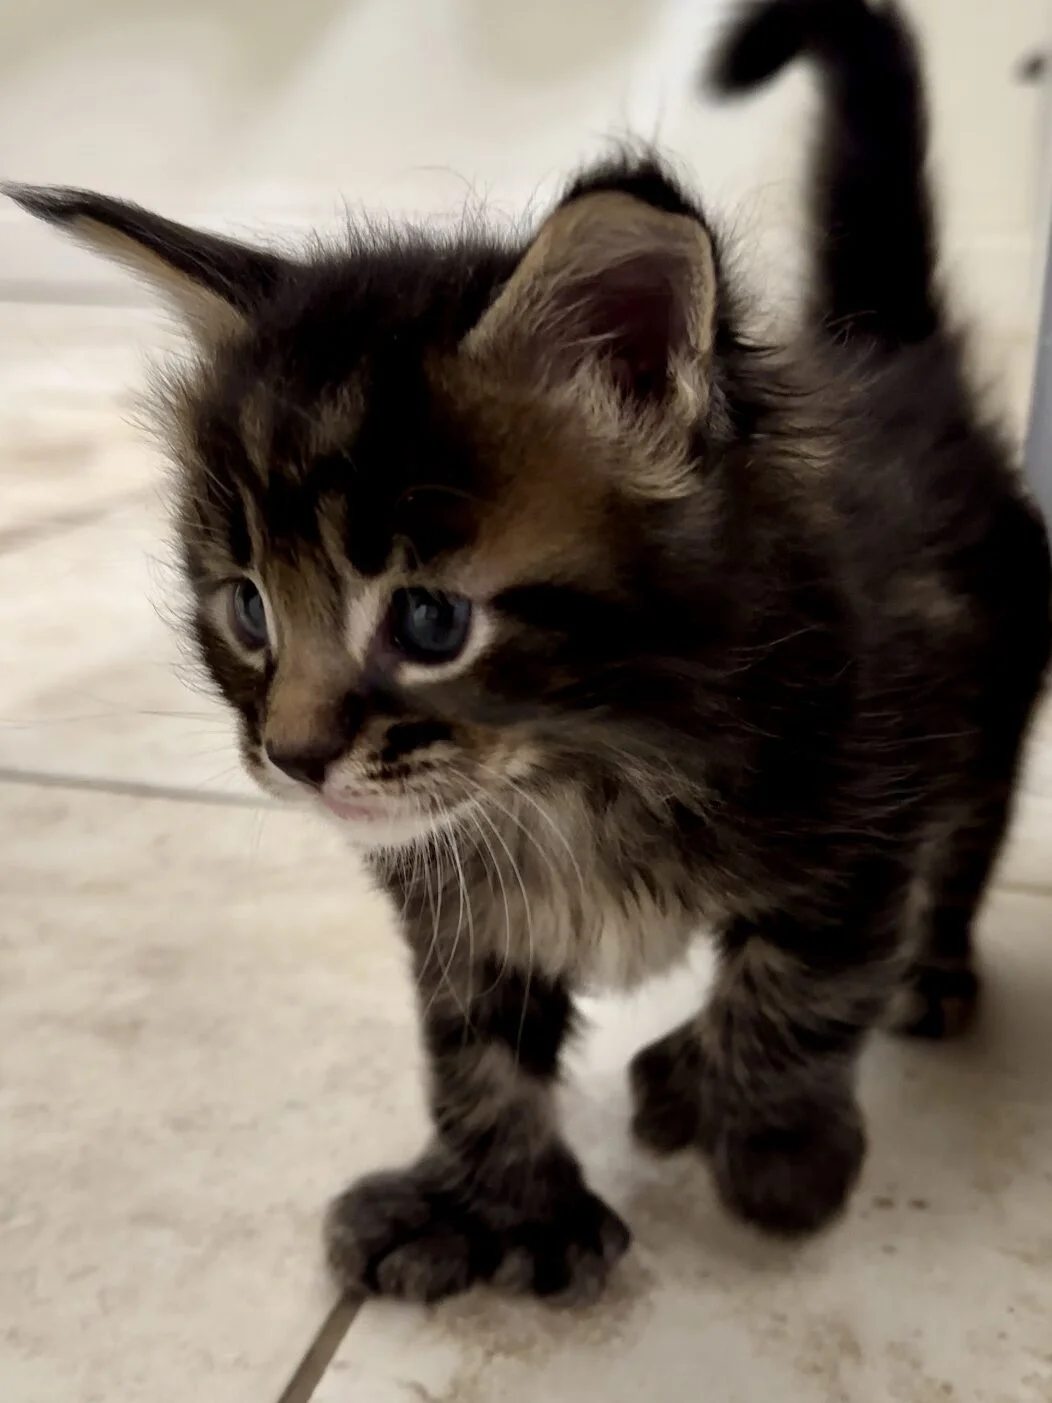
306	763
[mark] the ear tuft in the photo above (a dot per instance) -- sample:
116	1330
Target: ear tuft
213	283
639	174
54	205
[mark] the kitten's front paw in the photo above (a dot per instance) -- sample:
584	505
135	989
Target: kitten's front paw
396	1234
407	1234
794	1177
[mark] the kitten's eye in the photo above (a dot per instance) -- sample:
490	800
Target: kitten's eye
248	618
428	626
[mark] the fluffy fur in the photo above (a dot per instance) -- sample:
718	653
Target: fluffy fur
755	637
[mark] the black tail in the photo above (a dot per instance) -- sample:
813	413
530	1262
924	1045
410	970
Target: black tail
873	229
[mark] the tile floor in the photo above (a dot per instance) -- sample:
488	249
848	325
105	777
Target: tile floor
206	1029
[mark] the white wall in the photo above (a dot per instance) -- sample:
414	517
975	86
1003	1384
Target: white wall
262	114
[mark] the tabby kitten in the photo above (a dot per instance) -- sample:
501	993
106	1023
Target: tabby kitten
593	622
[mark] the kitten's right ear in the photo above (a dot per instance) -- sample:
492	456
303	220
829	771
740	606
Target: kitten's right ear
212	283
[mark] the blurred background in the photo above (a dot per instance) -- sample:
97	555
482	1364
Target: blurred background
277	117
205	1023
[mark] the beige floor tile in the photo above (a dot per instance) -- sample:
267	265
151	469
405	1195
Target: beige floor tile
70	384
936	1288
1027	860
193	1059
94	678
1037	772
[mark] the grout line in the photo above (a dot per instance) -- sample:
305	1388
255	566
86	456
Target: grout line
17	537
321	1351
131	789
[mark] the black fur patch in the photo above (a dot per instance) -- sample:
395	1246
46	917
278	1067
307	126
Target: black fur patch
405	737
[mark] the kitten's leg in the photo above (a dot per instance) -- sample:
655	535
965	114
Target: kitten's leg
498	1196
938	995
763	1081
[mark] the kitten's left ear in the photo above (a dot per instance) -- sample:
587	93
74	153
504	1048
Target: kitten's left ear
615	287
211	282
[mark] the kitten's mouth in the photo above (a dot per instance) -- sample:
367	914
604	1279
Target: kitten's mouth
374	821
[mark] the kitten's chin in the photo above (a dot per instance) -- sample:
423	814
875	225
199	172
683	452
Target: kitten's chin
377	824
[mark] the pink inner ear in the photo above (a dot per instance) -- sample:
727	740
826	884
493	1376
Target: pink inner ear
634	314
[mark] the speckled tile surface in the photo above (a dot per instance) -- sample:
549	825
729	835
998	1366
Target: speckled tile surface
192	1062
94	680
71	391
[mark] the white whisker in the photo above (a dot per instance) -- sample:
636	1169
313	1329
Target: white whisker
528	914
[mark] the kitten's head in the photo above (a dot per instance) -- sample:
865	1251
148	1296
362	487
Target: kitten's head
425	487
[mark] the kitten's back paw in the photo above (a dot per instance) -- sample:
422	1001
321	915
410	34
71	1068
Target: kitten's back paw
935	1001
795	1177
665	1081
408	1235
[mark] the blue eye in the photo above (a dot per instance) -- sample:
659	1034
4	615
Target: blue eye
428	626
248	617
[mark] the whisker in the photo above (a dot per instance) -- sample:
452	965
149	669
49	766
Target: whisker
535	803
465	901
528	914
494	865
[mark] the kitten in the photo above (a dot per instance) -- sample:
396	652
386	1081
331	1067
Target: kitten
594	622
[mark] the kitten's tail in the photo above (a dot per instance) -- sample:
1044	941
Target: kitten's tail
871	206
